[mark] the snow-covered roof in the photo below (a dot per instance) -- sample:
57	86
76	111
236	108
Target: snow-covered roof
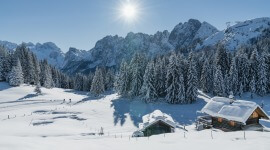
239	110
154	117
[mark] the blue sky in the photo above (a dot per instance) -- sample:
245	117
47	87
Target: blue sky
80	23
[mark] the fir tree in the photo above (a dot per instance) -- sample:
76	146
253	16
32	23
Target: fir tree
123	80
172	82
16	75
109	79
191	91
149	87
233	77
262	80
160	76
206	75
38	89
137	65
98	86
252	87
218	82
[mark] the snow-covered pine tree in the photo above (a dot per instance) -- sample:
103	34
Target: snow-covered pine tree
227	85
137	68
46	75
78	82
38	89
16	74
233	77
182	90
261	84
2	59
243	68
241	90
172	80
206	80
98	85
6	63
149	89
221	59
30	72
160	76
109	79
36	69
218	82
123	79
191	90
252	87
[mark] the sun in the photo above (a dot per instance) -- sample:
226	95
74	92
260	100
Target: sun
129	11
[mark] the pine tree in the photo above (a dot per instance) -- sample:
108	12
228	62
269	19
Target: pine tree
98	86
38	89
149	88
221	59
206	80
123	80
181	91
160	76
78	82
192	91
218	82
233	77
109	79
262	80
16	75
172	82
46	75
252	87
137	65
241	90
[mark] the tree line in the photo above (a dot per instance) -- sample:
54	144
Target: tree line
174	78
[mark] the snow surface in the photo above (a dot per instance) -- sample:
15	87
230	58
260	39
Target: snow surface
45	122
239	110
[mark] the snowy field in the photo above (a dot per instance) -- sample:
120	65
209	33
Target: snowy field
30	122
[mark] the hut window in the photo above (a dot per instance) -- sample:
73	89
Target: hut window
255	115
232	123
219	119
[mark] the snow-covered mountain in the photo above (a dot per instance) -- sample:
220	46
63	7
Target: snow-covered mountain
110	50
238	34
47	50
190	33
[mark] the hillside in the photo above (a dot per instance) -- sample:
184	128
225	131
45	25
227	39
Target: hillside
48	123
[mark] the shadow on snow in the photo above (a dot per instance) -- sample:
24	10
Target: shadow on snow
182	114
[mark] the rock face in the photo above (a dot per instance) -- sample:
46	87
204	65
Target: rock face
190	33
111	50
238	34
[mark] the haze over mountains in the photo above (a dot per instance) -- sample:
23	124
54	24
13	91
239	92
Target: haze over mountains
109	51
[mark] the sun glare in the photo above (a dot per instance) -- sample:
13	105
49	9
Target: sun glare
129	11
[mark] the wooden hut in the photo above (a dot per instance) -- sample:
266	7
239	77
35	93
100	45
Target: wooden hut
232	115
156	123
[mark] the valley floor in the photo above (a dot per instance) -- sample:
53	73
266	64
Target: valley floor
47	122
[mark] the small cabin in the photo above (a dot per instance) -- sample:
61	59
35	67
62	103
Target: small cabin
232	115
156	123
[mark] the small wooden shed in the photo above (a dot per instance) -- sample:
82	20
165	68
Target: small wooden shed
157	123
233	115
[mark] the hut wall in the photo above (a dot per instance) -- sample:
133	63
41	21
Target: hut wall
157	128
222	123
